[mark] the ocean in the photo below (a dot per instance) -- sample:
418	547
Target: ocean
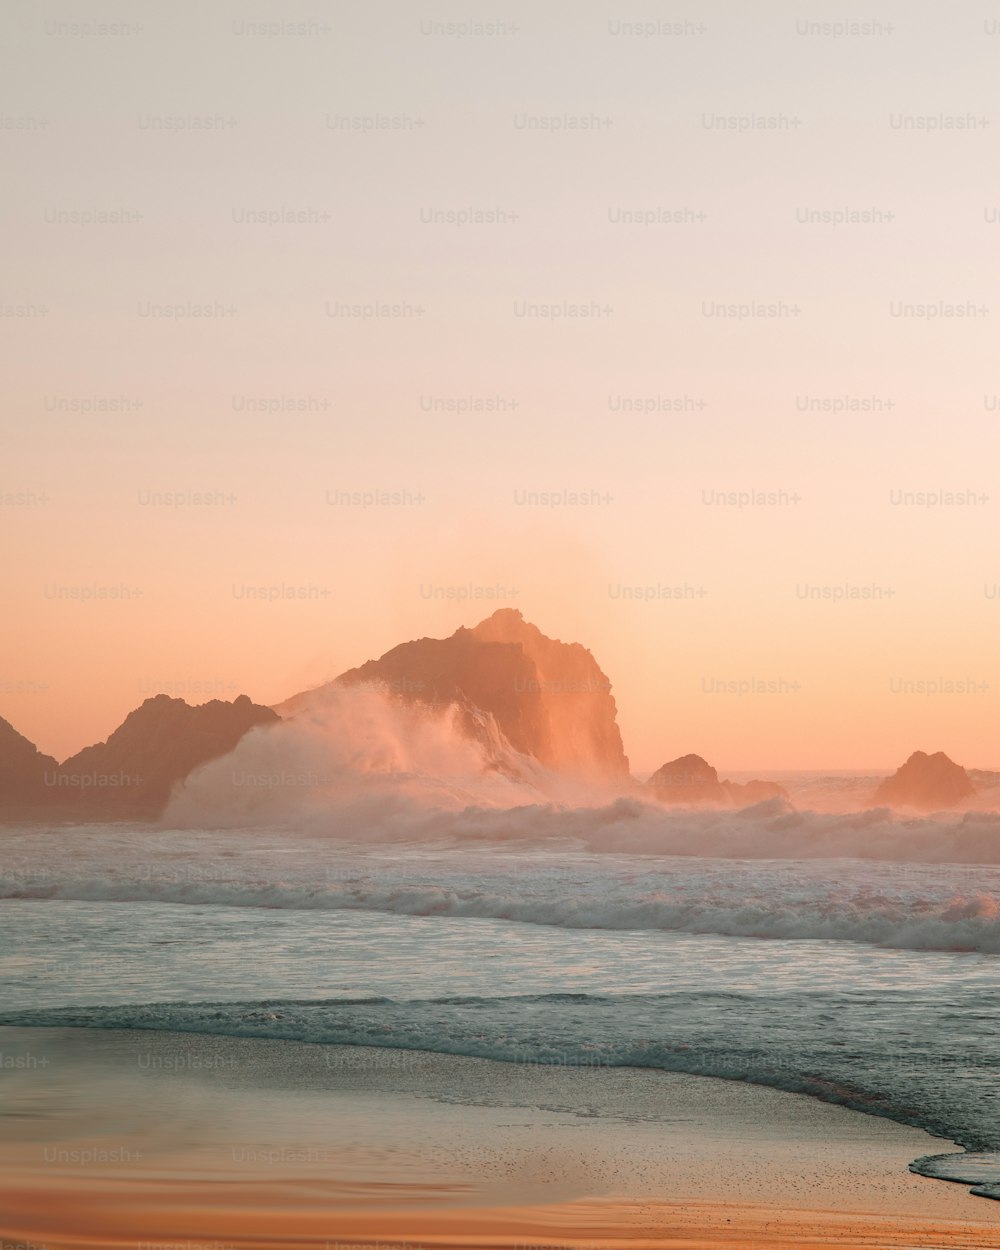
850	956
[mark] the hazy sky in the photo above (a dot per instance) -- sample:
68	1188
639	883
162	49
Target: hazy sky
281	170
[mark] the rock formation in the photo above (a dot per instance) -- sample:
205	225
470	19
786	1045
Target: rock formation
746	793
157	745
925	782
549	700
24	771
691	780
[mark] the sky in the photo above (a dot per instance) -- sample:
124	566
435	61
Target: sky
672	326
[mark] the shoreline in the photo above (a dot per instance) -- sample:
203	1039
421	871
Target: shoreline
125	1137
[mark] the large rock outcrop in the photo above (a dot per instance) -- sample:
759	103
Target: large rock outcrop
24	771
580	731
549	700
690	780
926	783
157	745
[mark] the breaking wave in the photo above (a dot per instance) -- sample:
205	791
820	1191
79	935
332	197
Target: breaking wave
905	918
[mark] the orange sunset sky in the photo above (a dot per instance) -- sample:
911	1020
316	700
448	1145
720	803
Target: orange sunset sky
844	587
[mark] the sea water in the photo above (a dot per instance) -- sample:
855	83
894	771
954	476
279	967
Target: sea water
558	937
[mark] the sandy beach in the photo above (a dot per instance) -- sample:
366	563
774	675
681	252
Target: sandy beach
144	1139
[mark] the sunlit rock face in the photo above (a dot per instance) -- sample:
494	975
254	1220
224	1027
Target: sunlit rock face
926	783
577	730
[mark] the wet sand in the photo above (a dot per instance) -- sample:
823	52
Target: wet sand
146	1139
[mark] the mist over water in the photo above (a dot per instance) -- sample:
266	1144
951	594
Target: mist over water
356	753
357	764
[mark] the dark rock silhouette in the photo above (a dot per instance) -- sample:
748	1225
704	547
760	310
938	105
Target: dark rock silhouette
157	745
23	770
925	782
549	700
746	793
691	780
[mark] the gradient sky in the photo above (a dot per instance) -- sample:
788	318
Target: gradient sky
366	399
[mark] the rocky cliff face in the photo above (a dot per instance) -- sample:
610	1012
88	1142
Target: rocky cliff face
579	726
549	700
24	771
926	783
157	745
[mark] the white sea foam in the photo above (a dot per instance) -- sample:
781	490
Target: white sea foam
980	1170
359	765
905	914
